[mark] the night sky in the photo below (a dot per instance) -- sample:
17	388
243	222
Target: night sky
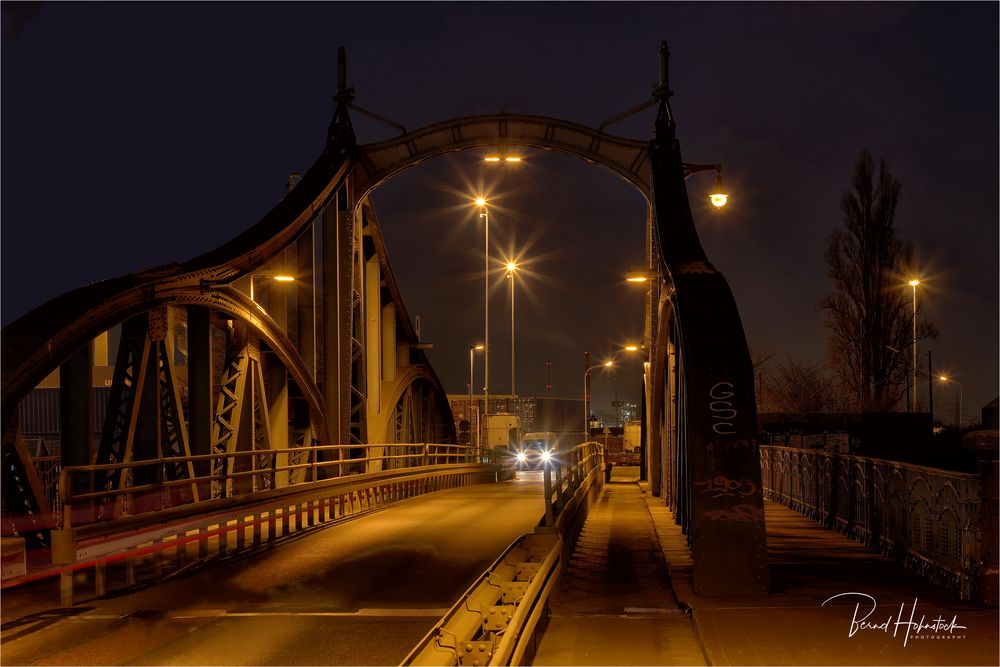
138	134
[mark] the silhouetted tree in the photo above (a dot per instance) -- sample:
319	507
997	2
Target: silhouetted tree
802	386
869	314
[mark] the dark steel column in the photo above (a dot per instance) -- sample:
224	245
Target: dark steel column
76	409
200	389
717	414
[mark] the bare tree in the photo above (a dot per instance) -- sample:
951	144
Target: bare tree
802	386
869	313
761	357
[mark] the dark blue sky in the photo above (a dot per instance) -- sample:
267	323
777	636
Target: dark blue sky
136	134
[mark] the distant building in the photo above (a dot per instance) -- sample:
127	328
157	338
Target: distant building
990	414
559	415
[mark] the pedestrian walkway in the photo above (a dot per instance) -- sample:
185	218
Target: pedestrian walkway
614	605
808	565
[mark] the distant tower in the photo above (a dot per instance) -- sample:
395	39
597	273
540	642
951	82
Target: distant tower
548	384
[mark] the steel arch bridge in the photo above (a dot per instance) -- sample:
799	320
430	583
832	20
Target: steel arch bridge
212	360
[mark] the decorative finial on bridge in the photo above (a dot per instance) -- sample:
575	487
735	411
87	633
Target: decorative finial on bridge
344	94
341	131
664	125
661	95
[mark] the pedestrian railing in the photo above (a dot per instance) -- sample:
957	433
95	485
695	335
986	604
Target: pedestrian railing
499	619
926	518
157	523
97	493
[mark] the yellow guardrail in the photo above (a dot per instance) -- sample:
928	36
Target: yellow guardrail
486	626
496	620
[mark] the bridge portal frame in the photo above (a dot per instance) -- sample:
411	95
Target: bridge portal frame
703	430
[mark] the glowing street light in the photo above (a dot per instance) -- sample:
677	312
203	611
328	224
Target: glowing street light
719	198
640	276
497	158
946	380
277	277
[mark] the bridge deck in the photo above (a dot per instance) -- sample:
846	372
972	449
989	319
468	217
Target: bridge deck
349	593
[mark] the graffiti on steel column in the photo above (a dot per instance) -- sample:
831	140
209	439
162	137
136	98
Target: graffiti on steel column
723	412
723	486
746	513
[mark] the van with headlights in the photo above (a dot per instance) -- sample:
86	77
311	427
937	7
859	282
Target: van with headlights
536	450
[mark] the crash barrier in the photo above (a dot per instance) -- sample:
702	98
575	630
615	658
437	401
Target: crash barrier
930	520
491	622
499	620
141	540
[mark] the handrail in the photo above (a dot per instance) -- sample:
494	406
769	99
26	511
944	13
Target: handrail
83	502
584	459
250	518
929	519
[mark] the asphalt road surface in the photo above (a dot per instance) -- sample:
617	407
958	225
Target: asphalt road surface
361	592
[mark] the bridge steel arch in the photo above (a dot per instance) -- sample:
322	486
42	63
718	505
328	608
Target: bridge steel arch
701	451
352	352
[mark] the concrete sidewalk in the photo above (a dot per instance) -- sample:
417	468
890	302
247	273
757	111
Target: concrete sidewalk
808	565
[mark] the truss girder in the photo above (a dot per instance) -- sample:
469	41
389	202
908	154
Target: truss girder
627	158
228	416
35	344
23	497
122	416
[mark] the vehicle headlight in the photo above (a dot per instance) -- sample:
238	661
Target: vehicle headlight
521	457
546	456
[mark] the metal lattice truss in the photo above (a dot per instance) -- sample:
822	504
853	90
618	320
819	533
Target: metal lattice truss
242	403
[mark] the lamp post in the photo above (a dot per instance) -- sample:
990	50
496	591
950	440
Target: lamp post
472	371
586	397
719	198
946	379
278	277
485	214
913	394
511	268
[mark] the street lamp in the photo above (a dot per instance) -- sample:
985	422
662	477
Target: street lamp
472	371
913	399
586	398
484	213
718	198
511	268
946	379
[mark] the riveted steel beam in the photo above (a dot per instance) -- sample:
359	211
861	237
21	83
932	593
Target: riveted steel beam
627	158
